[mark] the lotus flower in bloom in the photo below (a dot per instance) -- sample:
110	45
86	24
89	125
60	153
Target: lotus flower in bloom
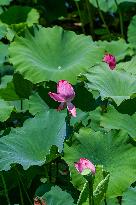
83	164
110	60
65	94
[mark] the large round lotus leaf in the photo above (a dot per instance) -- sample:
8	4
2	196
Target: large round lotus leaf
132	31
110	150
53	54
109	5
117	85
30	144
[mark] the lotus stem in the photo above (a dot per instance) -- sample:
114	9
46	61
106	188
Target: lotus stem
21	195
90	19
102	18
5	189
80	16
90	186
68	132
120	18
23	186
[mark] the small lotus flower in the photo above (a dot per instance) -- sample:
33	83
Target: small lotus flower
39	201
84	164
65	94
110	60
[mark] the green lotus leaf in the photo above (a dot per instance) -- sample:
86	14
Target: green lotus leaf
3	30
7	89
5	110
118	48
36	104
53	54
30	144
117	85
115	120
129	197
5	2
109	150
19	14
132	31
3	52
129	66
53	197
109	5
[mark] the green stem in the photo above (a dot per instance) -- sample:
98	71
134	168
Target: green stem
79	13
21	195
83	194
120	18
102	18
68	117
23	186
90	185
5	188
90	19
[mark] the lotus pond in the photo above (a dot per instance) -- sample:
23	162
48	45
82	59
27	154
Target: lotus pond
68	102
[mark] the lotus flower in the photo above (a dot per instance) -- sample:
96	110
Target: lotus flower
39	201
83	164
65	94
110	60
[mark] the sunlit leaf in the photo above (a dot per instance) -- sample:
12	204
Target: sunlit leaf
53	54
117	85
118	48
129	66
109	150
132	31
5	2
5	110
129	197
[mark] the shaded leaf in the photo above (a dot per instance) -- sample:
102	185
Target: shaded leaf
20	14
30	144
109	5
36	104
53	197
115	120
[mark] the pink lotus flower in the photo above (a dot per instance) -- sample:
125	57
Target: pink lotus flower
65	94
83	164
110	60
